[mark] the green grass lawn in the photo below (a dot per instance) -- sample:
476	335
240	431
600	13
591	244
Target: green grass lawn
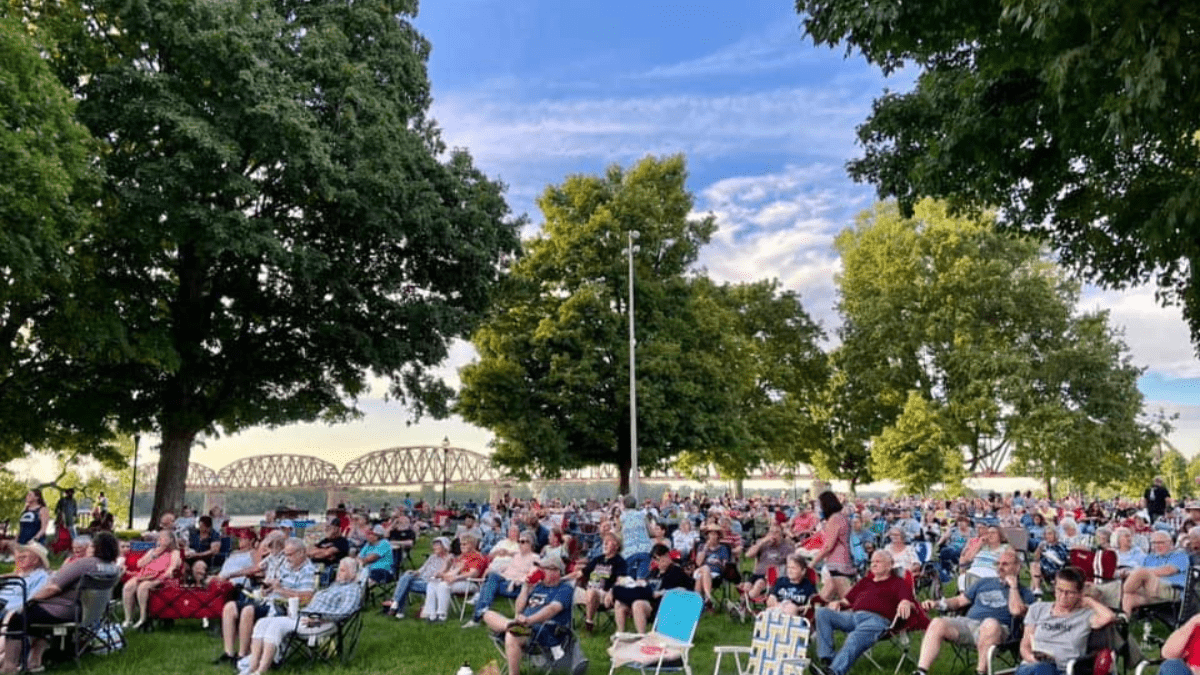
411	646
405	647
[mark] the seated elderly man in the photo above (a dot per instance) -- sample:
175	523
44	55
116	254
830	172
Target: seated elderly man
293	578
340	600
992	603
872	603
543	613
1160	578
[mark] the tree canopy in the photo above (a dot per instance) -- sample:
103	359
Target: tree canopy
962	346
718	367
45	212
1076	119
279	219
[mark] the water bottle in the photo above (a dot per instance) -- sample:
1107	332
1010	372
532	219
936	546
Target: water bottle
466	669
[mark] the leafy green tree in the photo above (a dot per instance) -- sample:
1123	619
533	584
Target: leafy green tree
1076	119
45	209
983	331
849	412
552	377
1174	469
279	220
916	451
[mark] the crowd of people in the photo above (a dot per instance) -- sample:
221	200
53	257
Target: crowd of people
850	565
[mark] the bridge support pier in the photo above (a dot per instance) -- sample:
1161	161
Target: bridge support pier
212	499
335	496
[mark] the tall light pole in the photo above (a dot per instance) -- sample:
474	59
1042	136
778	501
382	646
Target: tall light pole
445	456
633	442
137	439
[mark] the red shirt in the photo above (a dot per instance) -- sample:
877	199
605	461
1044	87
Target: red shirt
473	564
880	597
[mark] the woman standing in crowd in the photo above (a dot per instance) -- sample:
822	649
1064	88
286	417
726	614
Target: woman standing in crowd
835	548
35	519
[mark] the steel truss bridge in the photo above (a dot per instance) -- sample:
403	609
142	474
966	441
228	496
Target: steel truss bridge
411	465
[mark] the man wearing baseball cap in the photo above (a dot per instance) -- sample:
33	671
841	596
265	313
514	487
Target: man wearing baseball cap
543	613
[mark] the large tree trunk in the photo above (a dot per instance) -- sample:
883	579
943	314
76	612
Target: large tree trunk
171	484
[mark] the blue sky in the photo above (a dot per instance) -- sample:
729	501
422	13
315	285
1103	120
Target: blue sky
541	89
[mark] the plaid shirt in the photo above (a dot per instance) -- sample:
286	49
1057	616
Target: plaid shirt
303	578
339	600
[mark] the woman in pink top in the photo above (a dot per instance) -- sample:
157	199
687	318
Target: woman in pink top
835	550
155	567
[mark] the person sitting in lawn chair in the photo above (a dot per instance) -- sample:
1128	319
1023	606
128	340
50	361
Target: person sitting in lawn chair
991	605
336	602
873	604
1057	632
543	613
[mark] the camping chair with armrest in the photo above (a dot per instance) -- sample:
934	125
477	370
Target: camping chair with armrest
16	632
320	638
565	658
1171	614
779	641
670	640
1103	652
897	633
92	613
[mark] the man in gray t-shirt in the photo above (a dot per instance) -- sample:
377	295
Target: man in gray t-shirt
1056	632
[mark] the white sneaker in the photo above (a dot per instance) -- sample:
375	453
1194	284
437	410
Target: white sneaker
243	665
204	622
470	624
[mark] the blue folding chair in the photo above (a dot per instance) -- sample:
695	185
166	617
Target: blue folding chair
668	644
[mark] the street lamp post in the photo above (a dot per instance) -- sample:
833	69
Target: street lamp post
445	456
633	442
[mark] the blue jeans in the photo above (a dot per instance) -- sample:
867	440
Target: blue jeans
862	630
1174	667
1039	668
493	585
638	565
409	583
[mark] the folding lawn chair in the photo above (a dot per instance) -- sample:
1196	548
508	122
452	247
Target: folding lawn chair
779	641
669	642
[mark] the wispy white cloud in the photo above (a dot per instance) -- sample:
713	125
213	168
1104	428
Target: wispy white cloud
1157	336
782	225
779	46
499	132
